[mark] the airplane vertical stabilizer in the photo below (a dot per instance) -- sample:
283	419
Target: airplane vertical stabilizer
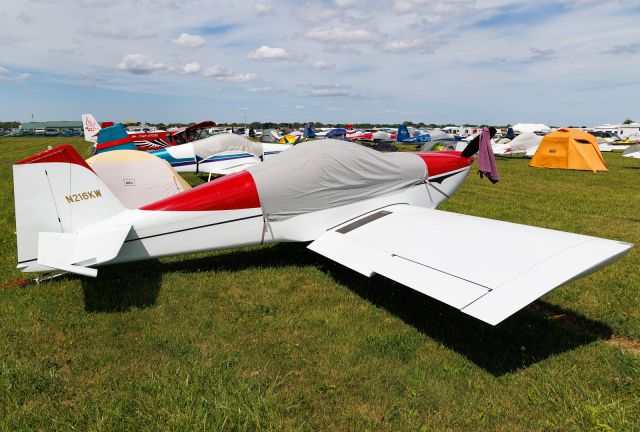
57	192
91	128
403	133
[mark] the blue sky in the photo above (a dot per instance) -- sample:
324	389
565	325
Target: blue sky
479	61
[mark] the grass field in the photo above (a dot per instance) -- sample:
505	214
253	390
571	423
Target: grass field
279	338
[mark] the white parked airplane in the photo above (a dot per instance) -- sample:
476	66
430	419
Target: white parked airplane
221	154
632	151
372	212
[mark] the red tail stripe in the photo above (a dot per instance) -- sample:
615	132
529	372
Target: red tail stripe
113	143
64	153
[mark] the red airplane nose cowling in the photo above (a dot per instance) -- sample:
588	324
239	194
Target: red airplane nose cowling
444	162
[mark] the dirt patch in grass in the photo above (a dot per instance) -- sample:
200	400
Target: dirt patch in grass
625	344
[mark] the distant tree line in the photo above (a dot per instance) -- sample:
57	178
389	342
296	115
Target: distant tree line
298	125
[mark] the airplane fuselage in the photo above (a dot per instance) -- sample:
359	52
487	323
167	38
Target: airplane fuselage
227	213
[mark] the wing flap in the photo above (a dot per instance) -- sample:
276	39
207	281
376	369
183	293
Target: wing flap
486	268
368	260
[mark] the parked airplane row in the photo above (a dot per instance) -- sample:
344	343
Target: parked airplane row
372	212
190	160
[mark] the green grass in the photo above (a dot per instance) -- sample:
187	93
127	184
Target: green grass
278	338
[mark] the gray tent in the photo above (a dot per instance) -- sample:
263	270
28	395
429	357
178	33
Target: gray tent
268	136
317	175
524	142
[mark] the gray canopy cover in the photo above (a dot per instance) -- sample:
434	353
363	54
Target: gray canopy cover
205	148
317	175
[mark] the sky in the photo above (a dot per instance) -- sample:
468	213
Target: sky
559	62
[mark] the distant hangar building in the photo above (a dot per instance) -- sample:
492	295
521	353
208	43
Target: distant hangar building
59	125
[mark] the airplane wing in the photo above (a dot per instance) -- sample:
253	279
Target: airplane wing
227	163
73	252
225	170
487	269
632	151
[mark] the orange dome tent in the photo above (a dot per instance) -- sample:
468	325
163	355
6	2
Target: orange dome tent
569	149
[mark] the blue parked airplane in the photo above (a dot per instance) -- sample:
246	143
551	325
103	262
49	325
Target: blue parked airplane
405	137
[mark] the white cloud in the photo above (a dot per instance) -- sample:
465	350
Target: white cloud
315	12
266	52
402	44
261	90
23	77
322	65
628	49
331	90
240	78
189	41
347	3
338	35
117	32
541	55
434	8
299	107
3	70
217	72
406	6
262	9
24	18
227	75
139	64
190	68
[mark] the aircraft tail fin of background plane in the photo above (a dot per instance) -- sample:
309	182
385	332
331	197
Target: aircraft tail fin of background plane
56	192
403	133
114	138
91	128
308	131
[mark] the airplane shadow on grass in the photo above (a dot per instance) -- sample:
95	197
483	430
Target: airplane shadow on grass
531	335
119	288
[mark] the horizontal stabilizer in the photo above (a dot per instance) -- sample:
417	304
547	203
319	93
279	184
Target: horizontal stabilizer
485	268
74	252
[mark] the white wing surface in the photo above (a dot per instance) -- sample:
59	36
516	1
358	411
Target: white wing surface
226	169
485	268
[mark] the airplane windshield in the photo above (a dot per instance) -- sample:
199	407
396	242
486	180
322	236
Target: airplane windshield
198	134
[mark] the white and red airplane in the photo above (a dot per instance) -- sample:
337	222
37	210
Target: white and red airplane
372	212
